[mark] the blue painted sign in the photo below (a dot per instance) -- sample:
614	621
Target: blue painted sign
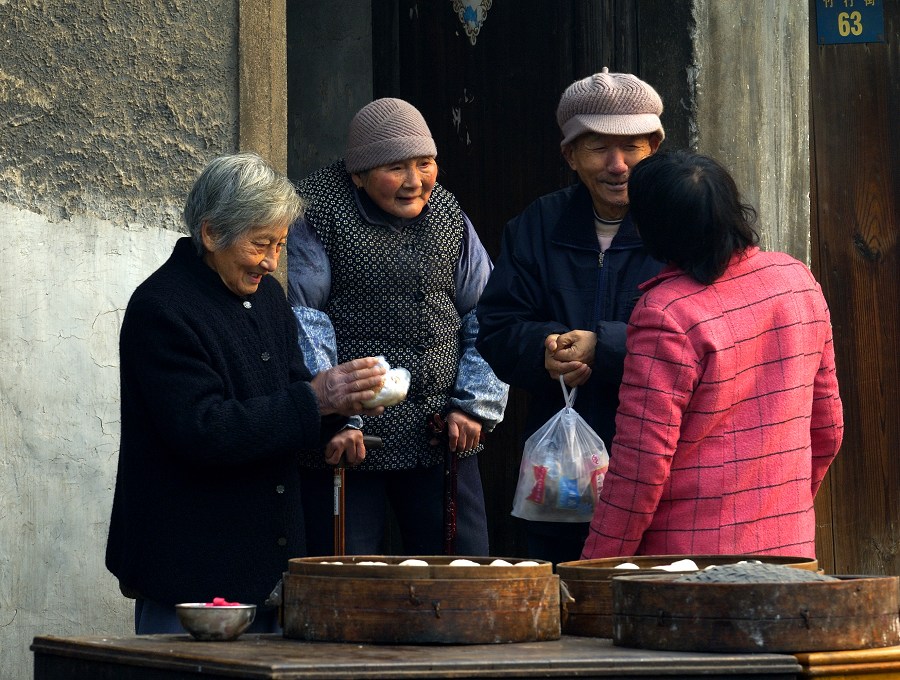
850	21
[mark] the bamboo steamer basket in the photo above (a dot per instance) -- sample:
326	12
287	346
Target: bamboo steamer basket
437	604
655	611
589	583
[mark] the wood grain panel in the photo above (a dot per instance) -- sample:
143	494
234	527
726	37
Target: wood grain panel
856	218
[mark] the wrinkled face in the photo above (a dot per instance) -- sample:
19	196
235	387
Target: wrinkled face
243	265
604	162
401	189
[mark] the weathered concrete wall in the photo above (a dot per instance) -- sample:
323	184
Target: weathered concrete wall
751	80
107	113
110	109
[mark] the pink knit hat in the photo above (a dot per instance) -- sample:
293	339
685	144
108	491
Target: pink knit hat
385	131
609	104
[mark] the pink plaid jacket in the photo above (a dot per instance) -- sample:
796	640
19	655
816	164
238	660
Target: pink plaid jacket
729	416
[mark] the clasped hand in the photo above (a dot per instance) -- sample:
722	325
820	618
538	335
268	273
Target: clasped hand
570	355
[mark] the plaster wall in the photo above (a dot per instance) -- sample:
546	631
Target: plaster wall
107	113
750	78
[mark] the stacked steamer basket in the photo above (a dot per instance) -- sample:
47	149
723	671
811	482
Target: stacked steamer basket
589	610
755	607
340	599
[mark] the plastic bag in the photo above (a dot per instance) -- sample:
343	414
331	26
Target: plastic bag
562	469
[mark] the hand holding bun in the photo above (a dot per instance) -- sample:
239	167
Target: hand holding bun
394	388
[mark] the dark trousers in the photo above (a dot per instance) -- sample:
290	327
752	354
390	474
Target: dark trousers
556	541
416	498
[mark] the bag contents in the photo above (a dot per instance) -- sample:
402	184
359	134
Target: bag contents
562	469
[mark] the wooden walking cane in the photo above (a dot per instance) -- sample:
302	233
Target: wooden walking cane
437	431
339	503
340	477
451	461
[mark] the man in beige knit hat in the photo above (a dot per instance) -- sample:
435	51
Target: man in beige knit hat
559	298
385	262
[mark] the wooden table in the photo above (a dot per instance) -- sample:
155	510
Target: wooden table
163	657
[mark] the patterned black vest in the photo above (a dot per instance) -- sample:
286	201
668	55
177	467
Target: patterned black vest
392	293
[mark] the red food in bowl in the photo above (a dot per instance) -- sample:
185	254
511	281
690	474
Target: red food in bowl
222	602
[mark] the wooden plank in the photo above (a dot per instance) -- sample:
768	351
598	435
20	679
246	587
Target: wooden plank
864	664
856	220
852	656
271	656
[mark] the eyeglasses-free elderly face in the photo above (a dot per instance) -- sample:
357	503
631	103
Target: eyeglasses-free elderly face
242	265
400	189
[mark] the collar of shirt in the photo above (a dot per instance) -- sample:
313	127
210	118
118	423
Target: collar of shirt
372	214
672	270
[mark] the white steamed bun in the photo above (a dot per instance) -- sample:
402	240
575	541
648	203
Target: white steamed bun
394	388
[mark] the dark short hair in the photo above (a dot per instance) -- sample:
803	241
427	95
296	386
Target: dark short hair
688	211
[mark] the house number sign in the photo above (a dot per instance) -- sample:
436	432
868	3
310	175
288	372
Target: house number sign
849	21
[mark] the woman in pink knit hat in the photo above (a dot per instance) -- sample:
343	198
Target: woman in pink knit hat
729	413
385	260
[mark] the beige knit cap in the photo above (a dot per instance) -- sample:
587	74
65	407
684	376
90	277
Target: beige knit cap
385	131
609	104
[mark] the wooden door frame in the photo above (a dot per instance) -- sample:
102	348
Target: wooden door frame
855	219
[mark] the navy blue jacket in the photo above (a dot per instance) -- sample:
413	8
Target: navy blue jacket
548	279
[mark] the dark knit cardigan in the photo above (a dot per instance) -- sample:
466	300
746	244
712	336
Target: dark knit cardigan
215	408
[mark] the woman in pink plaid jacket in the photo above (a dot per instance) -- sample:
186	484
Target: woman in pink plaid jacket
729	412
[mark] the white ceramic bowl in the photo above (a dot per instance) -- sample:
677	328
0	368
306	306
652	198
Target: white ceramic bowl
206	622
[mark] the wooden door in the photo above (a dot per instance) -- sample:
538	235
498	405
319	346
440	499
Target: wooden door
855	109
490	100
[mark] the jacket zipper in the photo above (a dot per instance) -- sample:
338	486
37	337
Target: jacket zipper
598	302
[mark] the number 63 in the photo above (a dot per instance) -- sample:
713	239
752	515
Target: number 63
849	23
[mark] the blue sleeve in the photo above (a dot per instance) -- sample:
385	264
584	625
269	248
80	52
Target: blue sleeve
472	270
478	392
309	270
316	339
309	286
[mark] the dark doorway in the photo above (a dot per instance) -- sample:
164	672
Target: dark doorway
490	101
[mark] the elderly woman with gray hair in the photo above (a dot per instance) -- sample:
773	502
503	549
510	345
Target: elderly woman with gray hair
217	405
